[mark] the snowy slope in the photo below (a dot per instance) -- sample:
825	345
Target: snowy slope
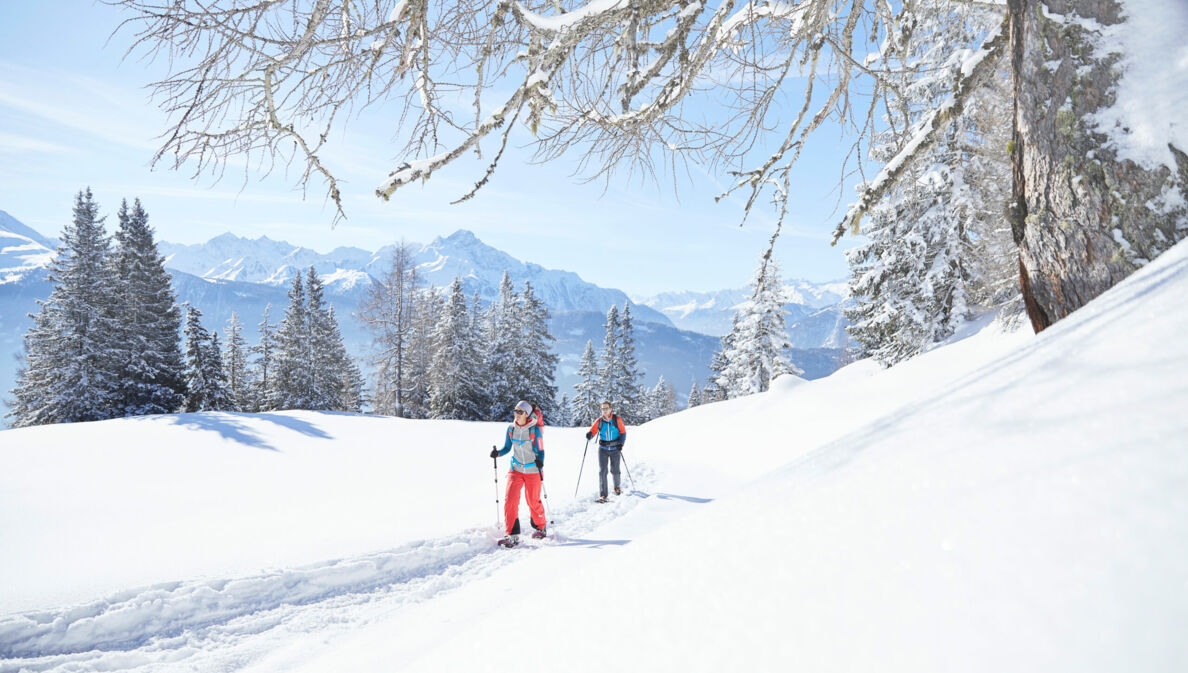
1007	502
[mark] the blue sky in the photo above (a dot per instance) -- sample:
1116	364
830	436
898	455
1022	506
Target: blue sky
74	113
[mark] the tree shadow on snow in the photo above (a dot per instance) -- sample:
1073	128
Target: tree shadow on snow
593	544
226	425
686	498
296	425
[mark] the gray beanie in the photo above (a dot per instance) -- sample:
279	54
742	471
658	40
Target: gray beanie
524	407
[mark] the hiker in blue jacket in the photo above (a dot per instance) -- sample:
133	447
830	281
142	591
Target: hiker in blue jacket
611	436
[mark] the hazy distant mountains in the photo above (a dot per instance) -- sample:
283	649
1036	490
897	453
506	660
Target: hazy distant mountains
677	333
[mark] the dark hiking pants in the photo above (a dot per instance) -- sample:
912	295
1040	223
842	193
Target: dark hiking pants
612	457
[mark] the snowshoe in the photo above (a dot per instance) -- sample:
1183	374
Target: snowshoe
509	541
601	498
538	534
618	492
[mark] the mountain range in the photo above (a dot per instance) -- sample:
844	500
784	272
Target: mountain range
677	333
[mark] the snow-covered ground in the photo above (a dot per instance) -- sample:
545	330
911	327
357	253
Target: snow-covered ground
1008	502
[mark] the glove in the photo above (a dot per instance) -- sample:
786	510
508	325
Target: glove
589	436
494	452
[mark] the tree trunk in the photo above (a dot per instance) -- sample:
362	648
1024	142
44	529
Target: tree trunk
1081	216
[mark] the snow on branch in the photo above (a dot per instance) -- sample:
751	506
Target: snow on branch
974	73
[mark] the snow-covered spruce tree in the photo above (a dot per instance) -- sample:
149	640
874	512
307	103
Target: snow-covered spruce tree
758	339
587	390
694	396
263	370
206	387
715	391
564	413
609	386
350	385
75	349
535	362
389	313
478	326
663	398
30	406
328	359
429	306
502	346
235	369
454	392
628	376
292	376
151	378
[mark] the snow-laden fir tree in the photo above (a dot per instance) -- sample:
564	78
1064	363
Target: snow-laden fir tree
389	313
292	380
206	386
263	369
151	379
29	405
75	351
758	341
478	325
564	414
694	396
628	377
661	400
502	346
235	367
609	386
454	390
587	391
535	363
719	384
351	386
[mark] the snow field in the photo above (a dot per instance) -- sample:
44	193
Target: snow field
1005	502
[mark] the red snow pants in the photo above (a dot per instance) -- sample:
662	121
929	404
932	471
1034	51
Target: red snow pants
511	503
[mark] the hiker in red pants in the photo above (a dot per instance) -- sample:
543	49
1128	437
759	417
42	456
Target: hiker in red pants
527	471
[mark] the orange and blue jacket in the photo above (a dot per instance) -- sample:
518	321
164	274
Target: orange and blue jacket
611	434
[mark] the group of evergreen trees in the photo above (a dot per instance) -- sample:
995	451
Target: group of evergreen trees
106	342
615	377
437	355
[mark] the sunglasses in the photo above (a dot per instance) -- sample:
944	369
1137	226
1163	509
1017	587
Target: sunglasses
519	413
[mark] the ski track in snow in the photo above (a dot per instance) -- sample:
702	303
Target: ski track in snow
227	624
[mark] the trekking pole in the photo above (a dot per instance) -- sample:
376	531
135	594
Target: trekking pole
575	488
628	468
545	489
495	464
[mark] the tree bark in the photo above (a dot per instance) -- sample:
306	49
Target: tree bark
1082	217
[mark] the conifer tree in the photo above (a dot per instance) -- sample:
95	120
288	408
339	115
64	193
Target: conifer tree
235	367
74	354
758	339
586	390
263	370
206	388
429	305
609	386
535	362
292	379
628	376
564	413
503	336
454	392
694	396
30	405
151	379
